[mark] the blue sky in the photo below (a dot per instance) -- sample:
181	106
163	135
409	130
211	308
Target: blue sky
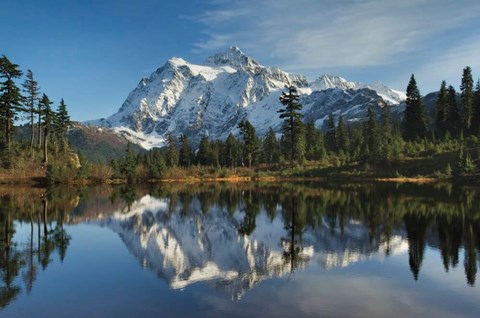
94	52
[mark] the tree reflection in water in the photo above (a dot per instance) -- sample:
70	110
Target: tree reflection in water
336	224
294	225
439	216
23	258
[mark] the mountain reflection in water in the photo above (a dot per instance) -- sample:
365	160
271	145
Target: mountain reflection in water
234	236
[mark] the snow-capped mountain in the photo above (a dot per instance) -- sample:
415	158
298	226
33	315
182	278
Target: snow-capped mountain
326	81
208	247
213	97
390	96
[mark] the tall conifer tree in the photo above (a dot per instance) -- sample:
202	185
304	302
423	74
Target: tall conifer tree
387	132
342	136
314	145
62	124
330	134
466	97
270	147
442	109
48	117
476	113
453	119
186	153
10	99
415	122
30	87
387	124
292	125
232	151
204	154
250	142
371	137
172	150
129	164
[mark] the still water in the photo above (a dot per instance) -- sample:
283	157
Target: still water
257	250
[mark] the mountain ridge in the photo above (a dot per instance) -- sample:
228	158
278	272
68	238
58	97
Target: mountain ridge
210	99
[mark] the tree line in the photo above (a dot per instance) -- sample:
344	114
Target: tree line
28	103
448	220
456	114
379	139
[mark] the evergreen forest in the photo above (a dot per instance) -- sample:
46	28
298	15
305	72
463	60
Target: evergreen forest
420	144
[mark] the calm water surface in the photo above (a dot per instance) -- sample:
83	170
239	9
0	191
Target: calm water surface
212	250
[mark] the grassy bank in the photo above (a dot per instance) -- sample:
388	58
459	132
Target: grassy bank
418	170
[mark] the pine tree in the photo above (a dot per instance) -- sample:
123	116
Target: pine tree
356	143
292	124
204	154
32	90
341	134
476	113
371	138
154	160
217	147
270	147
314	145
62	124
231	152
186	153
442	108
129	164
251	143
48	117
39	125
172	150
453	119
330	134
310	140
415	125
387	132
299	140
10	100
466	97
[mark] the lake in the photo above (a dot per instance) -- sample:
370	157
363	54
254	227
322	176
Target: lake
236	250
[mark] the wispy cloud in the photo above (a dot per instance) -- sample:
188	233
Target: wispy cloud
313	34
214	42
450	64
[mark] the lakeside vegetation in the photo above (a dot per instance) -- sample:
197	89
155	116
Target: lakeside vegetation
420	146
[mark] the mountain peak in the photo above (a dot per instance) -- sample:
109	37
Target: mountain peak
327	81
233	57
177	61
211	99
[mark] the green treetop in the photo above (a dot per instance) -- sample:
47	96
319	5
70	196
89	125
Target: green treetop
466	97
415	122
10	99
292	118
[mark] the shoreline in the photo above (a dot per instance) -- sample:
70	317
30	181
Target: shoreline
42	181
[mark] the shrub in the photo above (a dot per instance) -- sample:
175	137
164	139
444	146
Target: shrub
448	171
100	173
